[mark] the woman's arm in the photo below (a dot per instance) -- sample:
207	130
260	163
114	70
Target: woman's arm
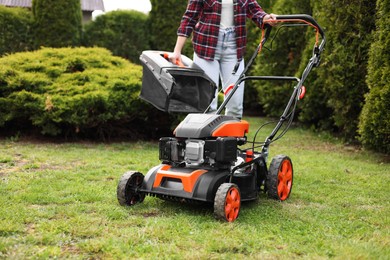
257	14
176	55
187	24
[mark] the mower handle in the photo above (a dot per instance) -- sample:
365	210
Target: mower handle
313	62
177	62
304	17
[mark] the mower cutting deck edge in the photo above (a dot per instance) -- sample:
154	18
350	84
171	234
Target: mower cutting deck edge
202	162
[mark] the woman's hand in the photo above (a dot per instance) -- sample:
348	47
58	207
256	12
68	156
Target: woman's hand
269	19
175	56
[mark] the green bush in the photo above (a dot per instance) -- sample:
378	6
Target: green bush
375	117
124	33
57	23
316	111
72	92
340	80
15	30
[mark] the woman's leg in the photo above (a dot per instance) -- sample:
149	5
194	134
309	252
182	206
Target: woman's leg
228	60
211	68
223	66
235	105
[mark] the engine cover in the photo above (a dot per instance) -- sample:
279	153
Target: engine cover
200	126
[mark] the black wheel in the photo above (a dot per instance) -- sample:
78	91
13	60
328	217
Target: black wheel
127	191
280	178
227	202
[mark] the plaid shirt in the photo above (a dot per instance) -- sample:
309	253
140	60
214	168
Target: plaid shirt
203	18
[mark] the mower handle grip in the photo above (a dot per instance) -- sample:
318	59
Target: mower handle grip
177	62
304	17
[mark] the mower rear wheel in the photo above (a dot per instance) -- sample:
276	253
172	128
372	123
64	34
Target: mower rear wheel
280	178
127	191
227	202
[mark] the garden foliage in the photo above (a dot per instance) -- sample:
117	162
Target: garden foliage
69	91
339	84
375	118
57	23
15	30
124	33
314	108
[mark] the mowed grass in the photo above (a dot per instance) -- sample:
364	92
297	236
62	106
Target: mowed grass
58	200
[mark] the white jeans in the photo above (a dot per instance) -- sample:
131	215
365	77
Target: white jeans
222	67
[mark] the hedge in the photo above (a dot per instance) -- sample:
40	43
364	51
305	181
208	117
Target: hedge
375	117
72	92
316	111
341	79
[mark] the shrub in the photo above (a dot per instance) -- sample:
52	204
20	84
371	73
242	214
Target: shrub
15	30
72	92
343	71
124	33
57	23
375	117
316	111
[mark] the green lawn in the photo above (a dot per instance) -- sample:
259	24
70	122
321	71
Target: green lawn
59	200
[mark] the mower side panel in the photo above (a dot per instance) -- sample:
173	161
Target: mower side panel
172	182
208	185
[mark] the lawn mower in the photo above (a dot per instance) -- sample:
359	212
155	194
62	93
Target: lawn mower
203	161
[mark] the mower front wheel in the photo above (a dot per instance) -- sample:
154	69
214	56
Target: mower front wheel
127	191
227	202
280	178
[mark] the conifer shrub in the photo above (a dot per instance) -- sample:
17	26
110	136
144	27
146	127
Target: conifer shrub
374	126
337	95
15	30
316	111
57	23
73	92
124	33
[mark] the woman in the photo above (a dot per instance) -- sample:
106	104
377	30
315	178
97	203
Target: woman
219	41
